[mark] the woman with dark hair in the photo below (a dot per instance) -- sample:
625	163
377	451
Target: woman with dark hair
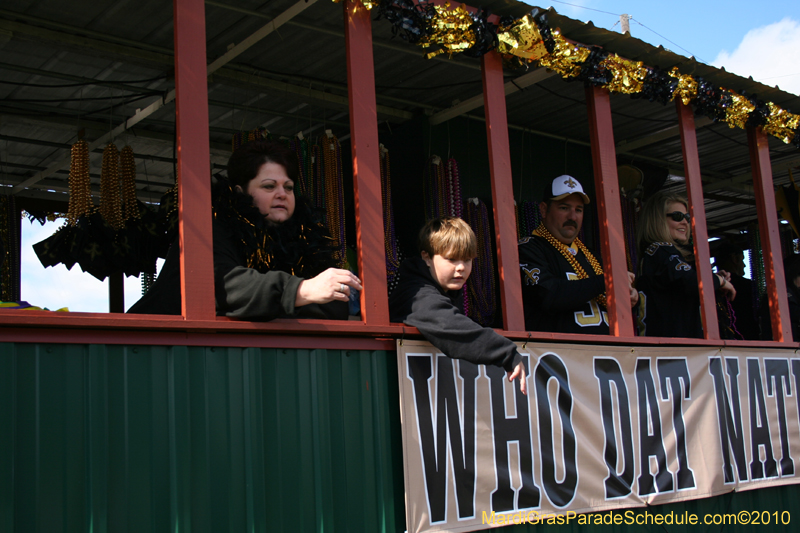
272	258
669	301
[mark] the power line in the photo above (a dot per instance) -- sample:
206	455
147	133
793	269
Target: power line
618	15
589	8
672	42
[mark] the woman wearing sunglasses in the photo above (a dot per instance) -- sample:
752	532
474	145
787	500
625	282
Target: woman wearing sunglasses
669	299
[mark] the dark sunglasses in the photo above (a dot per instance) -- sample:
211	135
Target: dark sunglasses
677	216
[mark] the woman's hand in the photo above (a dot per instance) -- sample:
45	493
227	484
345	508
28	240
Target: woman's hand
634	294
519	372
726	286
333	284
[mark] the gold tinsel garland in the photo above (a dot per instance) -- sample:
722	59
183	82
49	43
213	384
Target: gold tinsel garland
628	75
566	58
687	87
451	28
737	113
521	39
781	123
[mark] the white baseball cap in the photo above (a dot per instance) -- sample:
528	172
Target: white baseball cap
562	187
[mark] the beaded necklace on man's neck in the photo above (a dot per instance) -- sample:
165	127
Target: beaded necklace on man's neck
571	258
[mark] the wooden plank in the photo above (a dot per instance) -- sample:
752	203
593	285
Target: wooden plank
194	161
758	144
502	192
366	164
609	211
694	191
102	328
520	83
254	38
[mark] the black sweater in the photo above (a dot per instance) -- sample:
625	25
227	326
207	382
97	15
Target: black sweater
257	268
669	299
420	302
553	297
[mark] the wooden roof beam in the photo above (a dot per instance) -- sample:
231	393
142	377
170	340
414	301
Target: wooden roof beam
170	96
735	181
656	137
526	80
398	48
258	35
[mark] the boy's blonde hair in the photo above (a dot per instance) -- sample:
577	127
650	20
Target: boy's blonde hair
449	237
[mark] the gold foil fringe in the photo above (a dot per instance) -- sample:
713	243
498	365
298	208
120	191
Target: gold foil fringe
628	75
522	39
566	58
451	30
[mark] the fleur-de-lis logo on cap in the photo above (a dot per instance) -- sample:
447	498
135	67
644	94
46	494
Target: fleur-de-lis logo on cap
570	183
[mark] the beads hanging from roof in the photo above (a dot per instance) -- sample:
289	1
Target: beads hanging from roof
243	137
480	291
9	245
433	177
389	230
80	194
110	204
528	218
442	189
331	153
306	183
127	167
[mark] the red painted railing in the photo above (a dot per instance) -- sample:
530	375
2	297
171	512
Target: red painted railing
200	326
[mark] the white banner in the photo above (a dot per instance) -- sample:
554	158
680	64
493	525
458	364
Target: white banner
602	427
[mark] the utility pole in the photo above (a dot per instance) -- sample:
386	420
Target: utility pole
624	22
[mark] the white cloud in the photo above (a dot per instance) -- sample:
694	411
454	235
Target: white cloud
56	287
768	54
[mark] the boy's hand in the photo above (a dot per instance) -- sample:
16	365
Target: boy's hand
519	372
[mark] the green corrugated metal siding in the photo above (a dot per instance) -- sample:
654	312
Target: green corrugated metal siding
114	438
117	439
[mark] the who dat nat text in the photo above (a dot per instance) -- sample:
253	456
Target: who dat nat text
444	431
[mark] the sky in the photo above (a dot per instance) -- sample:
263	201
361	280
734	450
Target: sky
759	39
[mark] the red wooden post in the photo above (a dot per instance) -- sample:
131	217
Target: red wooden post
116	292
502	192
694	190
609	214
770	235
194	161
366	164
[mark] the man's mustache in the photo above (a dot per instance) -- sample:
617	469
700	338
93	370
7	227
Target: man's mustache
571	223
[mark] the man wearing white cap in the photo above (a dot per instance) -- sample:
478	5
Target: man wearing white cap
563	288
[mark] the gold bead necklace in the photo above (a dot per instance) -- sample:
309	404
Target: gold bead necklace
80	196
110	206
572	260
127	166
334	192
